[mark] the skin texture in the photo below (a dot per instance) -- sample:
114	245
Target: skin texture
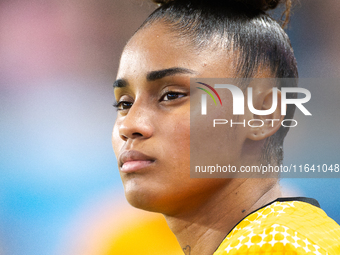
154	119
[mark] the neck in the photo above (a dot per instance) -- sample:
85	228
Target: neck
211	221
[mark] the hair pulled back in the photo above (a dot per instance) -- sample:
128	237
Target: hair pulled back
241	26
262	5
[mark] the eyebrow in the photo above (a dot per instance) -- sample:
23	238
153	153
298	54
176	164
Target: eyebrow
156	75
159	74
120	83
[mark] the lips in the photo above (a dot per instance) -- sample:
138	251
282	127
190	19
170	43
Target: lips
131	161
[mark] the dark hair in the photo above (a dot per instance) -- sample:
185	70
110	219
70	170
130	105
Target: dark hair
242	25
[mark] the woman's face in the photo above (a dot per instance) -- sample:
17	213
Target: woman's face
151	136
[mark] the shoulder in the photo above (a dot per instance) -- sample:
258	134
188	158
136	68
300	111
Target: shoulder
284	227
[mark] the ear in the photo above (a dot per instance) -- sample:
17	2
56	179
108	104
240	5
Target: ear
263	126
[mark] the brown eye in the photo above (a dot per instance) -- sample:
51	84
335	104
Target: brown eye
122	105
172	95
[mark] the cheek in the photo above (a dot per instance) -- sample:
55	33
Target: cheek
116	140
214	145
181	130
177	142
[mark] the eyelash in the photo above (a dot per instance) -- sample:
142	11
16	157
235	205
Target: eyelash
172	92
120	104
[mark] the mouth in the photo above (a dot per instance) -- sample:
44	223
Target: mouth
132	161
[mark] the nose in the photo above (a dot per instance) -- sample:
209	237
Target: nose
137	124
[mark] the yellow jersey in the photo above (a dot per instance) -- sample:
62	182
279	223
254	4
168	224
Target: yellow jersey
287	226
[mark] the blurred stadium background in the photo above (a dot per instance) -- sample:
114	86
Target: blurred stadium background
60	192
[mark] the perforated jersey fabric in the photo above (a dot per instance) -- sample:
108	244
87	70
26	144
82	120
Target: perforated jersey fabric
291	227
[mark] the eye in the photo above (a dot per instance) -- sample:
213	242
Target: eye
122	105
172	95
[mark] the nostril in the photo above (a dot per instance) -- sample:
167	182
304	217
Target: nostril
136	134
123	137
133	135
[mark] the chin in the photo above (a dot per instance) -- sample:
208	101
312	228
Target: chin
145	197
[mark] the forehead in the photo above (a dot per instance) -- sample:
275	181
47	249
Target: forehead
155	47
